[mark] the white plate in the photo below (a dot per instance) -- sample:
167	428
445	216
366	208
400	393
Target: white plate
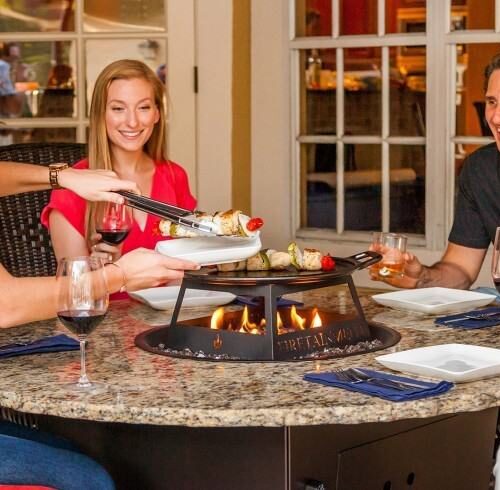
211	250
452	362
165	297
434	301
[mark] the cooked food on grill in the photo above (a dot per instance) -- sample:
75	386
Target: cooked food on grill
226	223
278	260
258	262
233	266
310	259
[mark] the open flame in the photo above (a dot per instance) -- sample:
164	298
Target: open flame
245	324
217	320
316	320
297	321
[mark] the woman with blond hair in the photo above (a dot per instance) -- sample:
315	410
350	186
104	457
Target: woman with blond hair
127	134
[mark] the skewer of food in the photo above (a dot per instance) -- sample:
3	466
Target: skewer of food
309	259
226	223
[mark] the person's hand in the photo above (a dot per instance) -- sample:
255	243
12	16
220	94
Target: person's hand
105	251
144	268
95	185
411	273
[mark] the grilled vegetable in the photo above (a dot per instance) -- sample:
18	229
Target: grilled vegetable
254	224
295	256
327	263
258	262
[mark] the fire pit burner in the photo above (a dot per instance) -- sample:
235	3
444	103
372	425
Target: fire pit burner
266	332
381	337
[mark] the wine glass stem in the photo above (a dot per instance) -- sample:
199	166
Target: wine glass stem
84	382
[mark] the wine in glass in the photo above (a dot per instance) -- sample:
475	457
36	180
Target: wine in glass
113	221
82	296
495	263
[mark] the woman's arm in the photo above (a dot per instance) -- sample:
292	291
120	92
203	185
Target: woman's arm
25	299
66	240
138	269
93	185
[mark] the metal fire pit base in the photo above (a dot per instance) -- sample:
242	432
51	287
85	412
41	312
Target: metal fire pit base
381	337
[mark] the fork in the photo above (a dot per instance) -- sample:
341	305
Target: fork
493	315
355	376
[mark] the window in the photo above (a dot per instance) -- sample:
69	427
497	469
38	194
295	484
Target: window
51	52
387	100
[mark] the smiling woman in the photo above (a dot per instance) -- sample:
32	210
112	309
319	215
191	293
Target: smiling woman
127	134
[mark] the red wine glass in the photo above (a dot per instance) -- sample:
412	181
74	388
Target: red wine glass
113	222
82	303
495	263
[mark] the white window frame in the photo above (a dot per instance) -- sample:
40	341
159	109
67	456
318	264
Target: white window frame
275	187
179	37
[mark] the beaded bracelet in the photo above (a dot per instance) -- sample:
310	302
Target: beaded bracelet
124	277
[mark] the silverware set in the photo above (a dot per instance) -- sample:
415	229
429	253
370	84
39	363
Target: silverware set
354	376
493	315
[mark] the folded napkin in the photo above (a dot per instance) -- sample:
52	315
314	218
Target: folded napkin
254	301
55	343
466	320
369	388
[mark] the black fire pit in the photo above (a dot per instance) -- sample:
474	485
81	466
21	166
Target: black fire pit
338	335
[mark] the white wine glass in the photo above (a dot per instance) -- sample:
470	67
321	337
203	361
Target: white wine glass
82	303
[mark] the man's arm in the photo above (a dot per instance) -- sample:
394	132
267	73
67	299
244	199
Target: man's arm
93	185
458	268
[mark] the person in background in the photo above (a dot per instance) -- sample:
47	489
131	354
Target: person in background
8	104
477	212
127	134
136	270
161	73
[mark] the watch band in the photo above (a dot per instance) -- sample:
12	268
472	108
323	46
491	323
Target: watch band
54	169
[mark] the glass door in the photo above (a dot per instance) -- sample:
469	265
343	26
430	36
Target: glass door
52	52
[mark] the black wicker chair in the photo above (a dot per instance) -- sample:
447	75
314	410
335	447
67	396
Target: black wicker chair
25	246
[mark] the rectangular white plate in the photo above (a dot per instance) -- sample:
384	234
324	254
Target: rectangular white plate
434	301
164	298
452	362
209	250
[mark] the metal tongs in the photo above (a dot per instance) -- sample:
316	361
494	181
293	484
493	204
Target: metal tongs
165	211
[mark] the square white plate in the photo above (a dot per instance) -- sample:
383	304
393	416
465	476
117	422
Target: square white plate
452	362
210	250
434	301
164	298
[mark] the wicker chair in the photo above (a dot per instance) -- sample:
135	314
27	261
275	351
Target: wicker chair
25	246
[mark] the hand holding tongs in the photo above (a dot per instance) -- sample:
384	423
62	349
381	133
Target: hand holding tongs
165	211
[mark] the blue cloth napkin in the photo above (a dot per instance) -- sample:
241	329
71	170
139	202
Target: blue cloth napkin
254	301
485	290
461	320
428	388
55	343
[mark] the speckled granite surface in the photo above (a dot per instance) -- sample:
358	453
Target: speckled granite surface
153	389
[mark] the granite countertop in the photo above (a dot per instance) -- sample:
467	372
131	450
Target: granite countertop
151	389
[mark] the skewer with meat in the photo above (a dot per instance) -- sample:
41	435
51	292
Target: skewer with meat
227	223
310	259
